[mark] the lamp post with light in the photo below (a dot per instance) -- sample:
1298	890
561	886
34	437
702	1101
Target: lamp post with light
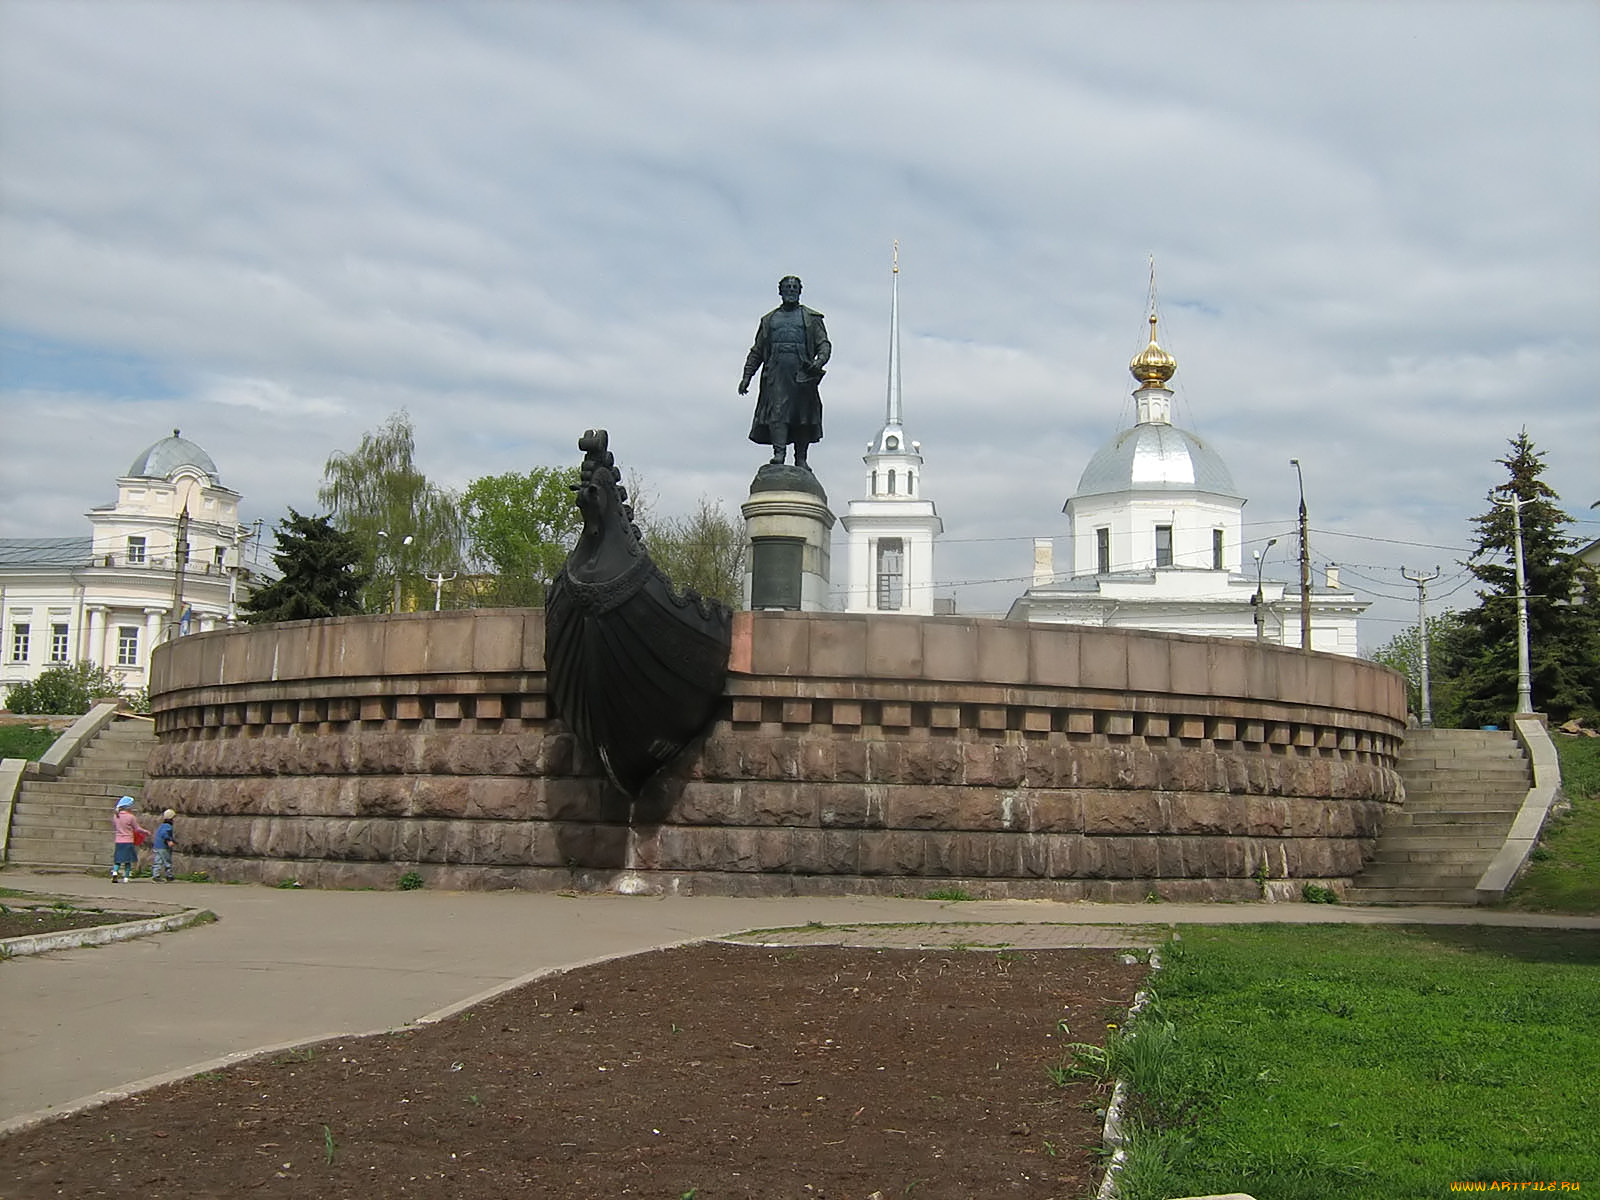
1305	562
1258	600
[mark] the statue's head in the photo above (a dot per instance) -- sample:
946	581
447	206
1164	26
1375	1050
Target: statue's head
789	290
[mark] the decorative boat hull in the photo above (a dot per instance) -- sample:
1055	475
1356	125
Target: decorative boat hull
635	669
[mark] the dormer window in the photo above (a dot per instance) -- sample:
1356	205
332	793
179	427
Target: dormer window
891	442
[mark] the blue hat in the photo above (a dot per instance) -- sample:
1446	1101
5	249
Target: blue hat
125	802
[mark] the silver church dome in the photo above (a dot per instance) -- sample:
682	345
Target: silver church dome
1156	456
163	458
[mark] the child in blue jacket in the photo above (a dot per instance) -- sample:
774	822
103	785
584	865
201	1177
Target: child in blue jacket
161	868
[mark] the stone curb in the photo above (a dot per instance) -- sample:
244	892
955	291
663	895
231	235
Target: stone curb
102	935
1112	1137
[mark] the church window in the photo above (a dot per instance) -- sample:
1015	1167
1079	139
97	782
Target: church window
891	574
911	483
19	643
1216	549
1163	545
891	481
136	550
874	483
1102	550
127	645
58	643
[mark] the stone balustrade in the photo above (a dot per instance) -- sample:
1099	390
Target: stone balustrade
851	753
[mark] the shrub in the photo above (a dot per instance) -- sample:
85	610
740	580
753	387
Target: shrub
63	689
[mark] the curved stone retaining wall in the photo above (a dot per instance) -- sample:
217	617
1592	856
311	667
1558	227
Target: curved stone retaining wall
851	753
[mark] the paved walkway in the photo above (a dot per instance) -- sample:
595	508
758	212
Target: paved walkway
282	967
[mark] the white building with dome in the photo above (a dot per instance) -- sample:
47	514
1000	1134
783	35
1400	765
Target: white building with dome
1156	541
163	560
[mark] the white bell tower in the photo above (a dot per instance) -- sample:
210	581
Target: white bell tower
892	531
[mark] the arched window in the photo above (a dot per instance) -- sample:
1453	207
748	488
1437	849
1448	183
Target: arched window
911	483
891	481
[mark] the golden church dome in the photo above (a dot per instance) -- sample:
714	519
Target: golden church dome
1153	366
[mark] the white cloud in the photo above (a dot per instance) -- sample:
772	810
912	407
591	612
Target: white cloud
1373	227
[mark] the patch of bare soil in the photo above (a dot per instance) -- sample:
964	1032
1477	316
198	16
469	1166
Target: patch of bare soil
19	922
704	1072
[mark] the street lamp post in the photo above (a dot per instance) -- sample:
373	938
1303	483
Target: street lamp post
1258	600
1422	582
1305	562
438	582
1524	670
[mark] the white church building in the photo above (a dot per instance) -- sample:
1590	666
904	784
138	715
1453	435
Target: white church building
1156	541
161	561
891	532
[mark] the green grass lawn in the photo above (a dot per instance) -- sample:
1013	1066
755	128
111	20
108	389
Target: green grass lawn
25	741
1564	875
1375	1062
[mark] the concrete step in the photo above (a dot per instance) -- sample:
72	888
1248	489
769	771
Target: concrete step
1439	856
1461	801
1489	818
88	838
1440	837
1497	778
1408	895
34	851
1418	875
35	816
104	770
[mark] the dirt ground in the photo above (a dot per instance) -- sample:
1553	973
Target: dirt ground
19	922
703	1072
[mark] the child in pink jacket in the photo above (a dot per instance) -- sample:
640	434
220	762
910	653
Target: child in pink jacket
127	834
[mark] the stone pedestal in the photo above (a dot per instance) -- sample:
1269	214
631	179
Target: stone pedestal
788	526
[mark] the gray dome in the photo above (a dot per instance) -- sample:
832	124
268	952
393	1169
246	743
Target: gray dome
161	460
1156	456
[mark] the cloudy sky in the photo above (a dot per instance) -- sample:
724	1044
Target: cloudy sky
1376	232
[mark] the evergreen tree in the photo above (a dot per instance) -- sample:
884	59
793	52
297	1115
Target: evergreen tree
1563	597
322	570
379	494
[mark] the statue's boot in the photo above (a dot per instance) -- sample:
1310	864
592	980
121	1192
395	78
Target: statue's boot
780	444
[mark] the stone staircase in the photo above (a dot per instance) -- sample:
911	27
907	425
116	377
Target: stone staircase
1463	790
66	821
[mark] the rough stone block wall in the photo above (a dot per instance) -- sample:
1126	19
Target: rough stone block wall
851	754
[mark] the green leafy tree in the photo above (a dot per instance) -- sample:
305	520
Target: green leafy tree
521	526
407	526
1563	605
704	551
1403	652
323	573
68	688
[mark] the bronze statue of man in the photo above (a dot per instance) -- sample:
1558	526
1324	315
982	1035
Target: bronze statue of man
791	348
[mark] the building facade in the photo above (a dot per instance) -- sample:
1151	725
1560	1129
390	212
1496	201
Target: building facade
163	560
1156	541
